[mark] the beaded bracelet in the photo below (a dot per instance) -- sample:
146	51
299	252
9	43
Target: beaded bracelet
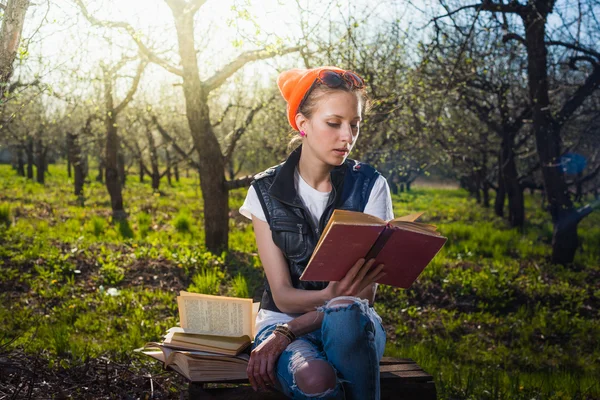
285	330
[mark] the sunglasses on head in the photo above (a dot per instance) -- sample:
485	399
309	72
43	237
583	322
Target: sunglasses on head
334	79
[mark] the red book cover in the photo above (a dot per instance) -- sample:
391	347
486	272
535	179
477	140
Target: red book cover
405	247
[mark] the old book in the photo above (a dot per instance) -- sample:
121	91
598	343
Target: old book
217	324
177	338
405	247
209	345
199	366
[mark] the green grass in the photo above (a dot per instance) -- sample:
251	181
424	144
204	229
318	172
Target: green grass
490	318
207	281
5	215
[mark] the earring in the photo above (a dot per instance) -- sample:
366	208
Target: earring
302	133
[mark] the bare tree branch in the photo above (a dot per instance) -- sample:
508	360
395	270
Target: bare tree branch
587	88
220	120
134	86
185	156
574	60
254	55
237	134
572	46
513	36
238	183
488	5
147	52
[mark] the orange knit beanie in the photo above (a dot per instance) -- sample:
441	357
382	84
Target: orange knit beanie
294	84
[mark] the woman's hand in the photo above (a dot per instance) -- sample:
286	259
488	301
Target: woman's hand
357	278
261	366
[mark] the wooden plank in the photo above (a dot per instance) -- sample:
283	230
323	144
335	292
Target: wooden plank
398	376
407	376
392	360
399	367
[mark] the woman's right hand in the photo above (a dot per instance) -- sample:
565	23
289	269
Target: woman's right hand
357	278
263	359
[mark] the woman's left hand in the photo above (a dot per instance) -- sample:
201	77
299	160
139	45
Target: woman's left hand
261	366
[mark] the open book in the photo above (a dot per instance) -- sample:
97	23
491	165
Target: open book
199	366
403	245
209	344
213	323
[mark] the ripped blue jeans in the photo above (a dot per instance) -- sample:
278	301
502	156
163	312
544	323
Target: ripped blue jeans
351	340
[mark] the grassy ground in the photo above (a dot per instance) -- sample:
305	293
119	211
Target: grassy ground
491	318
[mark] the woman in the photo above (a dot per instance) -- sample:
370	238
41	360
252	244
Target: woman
316	339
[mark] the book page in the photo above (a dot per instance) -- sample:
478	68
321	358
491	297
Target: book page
408	218
355	218
215	315
418	227
255	310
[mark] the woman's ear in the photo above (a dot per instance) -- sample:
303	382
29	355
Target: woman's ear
301	122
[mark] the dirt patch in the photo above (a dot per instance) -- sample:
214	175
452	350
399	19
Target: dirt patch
29	377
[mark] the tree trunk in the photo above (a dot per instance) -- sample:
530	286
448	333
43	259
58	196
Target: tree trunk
514	190
121	166
155	181
10	37
176	171
141	165
100	176
113	182
168	157
75	156
482	172
547	135
210	158
40	156
69	175
111	156
20	161
69	144
486	193
476	187
501	192
153	161
230	169
30	157
84	165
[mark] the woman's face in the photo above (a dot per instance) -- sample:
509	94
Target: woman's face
333	129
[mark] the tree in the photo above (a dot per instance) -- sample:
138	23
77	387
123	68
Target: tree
10	38
111	112
548	119
211	159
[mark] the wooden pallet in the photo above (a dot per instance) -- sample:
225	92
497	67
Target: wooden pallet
400	378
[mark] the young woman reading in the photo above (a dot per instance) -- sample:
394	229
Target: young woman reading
316	339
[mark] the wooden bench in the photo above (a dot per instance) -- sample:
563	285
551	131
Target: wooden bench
401	378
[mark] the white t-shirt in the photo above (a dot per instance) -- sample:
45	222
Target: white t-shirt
378	205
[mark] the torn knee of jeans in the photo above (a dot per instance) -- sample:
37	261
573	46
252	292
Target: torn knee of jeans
345	303
333	392
314	385
302	353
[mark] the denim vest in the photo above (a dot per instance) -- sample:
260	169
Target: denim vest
291	227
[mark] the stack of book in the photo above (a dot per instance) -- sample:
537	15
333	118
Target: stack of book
211	343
